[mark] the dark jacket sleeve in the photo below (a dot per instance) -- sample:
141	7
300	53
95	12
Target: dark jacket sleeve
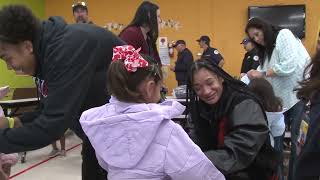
28	117
72	64
255	64
245	64
218	56
248	132
308	162
255	59
184	63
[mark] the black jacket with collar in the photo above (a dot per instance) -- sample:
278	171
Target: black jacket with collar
73	61
212	54
233	134
183	64
250	61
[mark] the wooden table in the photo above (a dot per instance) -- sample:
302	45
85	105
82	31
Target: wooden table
182	119
176	99
18	103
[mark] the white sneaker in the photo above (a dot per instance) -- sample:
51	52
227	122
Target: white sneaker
54	153
63	153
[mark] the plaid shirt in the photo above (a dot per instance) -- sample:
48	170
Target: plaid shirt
288	61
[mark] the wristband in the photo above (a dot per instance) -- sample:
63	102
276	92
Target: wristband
10	122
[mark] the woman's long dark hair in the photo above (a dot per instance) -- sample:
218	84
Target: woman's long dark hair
270	33
230	85
311	83
234	92
146	14
264	91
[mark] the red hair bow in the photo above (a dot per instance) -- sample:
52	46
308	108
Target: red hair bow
131	57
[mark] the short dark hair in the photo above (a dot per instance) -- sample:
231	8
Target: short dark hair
17	24
264	91
123	84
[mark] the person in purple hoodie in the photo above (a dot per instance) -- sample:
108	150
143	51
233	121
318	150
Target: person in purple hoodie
133	135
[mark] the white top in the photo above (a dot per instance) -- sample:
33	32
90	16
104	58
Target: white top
245	79
288	60
276	124
175	99
1	112
3	91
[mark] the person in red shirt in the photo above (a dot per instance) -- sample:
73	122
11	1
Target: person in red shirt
143	31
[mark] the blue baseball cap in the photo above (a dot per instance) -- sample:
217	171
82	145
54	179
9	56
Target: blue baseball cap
204	38
179	42
245	41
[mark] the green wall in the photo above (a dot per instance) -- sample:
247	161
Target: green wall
8	77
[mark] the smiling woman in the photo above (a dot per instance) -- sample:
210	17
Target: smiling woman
230	124
208	86
283	60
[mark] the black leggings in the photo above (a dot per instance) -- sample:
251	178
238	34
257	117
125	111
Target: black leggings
90	166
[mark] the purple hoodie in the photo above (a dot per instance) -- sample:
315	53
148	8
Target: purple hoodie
139	141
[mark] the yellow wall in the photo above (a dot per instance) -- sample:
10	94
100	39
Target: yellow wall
9	77
223	20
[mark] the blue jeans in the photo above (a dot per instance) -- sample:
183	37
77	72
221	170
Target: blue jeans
278	146
293	116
